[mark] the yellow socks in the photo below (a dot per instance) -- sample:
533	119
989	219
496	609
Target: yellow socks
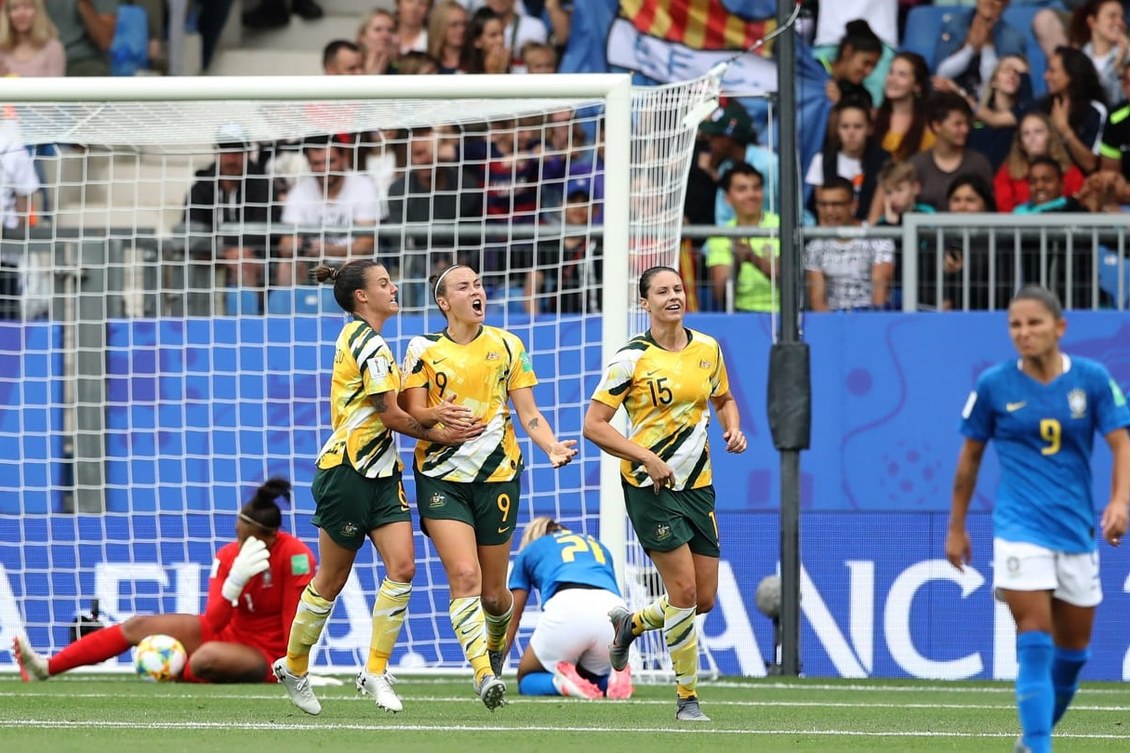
388	618
470	629
497	625
309	619
650	617
682	643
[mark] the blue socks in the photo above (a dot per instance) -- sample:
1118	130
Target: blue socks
537	683
1035	696
1066	665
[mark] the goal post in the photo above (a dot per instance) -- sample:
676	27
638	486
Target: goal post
155	382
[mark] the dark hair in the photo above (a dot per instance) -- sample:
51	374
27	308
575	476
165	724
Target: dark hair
912	139
1079	32
1045	159
741	168
832	142
472	61
650	272
346	279
860	38
262	508
838	183
1084	87
331	50
979	186
941	104
1043	296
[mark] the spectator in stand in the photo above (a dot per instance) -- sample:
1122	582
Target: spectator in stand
850	152
559	16
18	179
486	50
1077	105
567	275
845	274
86	30
1099	30
950	119
1115	148
539	58
342	58
429	196
332	197
233	191
29	41
882	16
520	30
273	14
1003	101
901	122
856	57
447	36
972	42
417	64
1034	138
968	194
411	25
376	37
899	187
753	272
731	139
1046	189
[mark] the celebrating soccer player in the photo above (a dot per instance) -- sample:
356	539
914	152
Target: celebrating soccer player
252	597
664	378
568	652
357	487
1043	410
467	496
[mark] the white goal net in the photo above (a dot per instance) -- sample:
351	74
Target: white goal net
162	351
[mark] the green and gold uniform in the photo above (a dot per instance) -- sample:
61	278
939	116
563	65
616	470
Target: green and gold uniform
477	481
666	395
357	485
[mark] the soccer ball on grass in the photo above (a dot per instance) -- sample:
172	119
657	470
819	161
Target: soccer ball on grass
159	658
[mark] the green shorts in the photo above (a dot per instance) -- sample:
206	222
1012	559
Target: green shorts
665	521
490	507
349	505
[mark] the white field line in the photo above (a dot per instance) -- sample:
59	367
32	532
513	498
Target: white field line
273	726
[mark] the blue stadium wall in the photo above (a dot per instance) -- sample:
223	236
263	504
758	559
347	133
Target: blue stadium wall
879	599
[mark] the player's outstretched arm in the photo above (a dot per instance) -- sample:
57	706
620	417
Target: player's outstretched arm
559	452
958	549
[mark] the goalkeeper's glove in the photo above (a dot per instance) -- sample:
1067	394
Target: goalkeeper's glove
253	558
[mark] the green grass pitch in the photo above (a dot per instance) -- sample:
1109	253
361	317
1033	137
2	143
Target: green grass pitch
124	715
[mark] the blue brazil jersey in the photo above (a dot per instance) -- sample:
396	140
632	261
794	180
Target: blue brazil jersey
563	557
1043	435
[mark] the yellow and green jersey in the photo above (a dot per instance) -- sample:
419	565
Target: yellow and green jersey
480	376
363	366
666	396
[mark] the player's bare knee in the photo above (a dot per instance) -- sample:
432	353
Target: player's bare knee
401	571
704	603
464	579
329	584
497	603
136	628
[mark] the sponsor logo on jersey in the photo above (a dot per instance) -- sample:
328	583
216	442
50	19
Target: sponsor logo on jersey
1077	402
492	356
704	364
526	365
349	529
437	500
1012	407
299	564
662	531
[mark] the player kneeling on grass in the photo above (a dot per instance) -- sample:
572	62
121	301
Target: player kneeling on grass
253	593
568	652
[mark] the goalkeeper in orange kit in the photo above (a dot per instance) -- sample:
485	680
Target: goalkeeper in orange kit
253	593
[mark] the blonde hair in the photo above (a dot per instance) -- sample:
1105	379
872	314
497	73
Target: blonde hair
43	29
437	27
1018	161
990	89
540	526
895	173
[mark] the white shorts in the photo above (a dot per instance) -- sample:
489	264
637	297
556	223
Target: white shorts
574	627
1073	578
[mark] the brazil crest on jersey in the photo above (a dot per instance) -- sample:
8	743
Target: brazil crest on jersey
666	396
1043	434
363	366
563	557
480	376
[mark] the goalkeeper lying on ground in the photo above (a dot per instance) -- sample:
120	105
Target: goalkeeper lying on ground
253	593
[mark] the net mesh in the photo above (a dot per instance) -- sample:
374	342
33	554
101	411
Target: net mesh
164	353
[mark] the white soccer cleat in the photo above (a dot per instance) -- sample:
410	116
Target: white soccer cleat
379	688
33	667
492	691
297	688
688	710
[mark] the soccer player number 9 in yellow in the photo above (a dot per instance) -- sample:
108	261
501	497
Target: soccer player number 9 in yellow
1052	433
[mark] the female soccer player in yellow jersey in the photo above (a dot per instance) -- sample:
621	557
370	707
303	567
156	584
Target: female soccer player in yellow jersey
467	496
357	487
664	379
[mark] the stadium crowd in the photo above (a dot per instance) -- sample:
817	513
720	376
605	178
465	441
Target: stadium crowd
1025	104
